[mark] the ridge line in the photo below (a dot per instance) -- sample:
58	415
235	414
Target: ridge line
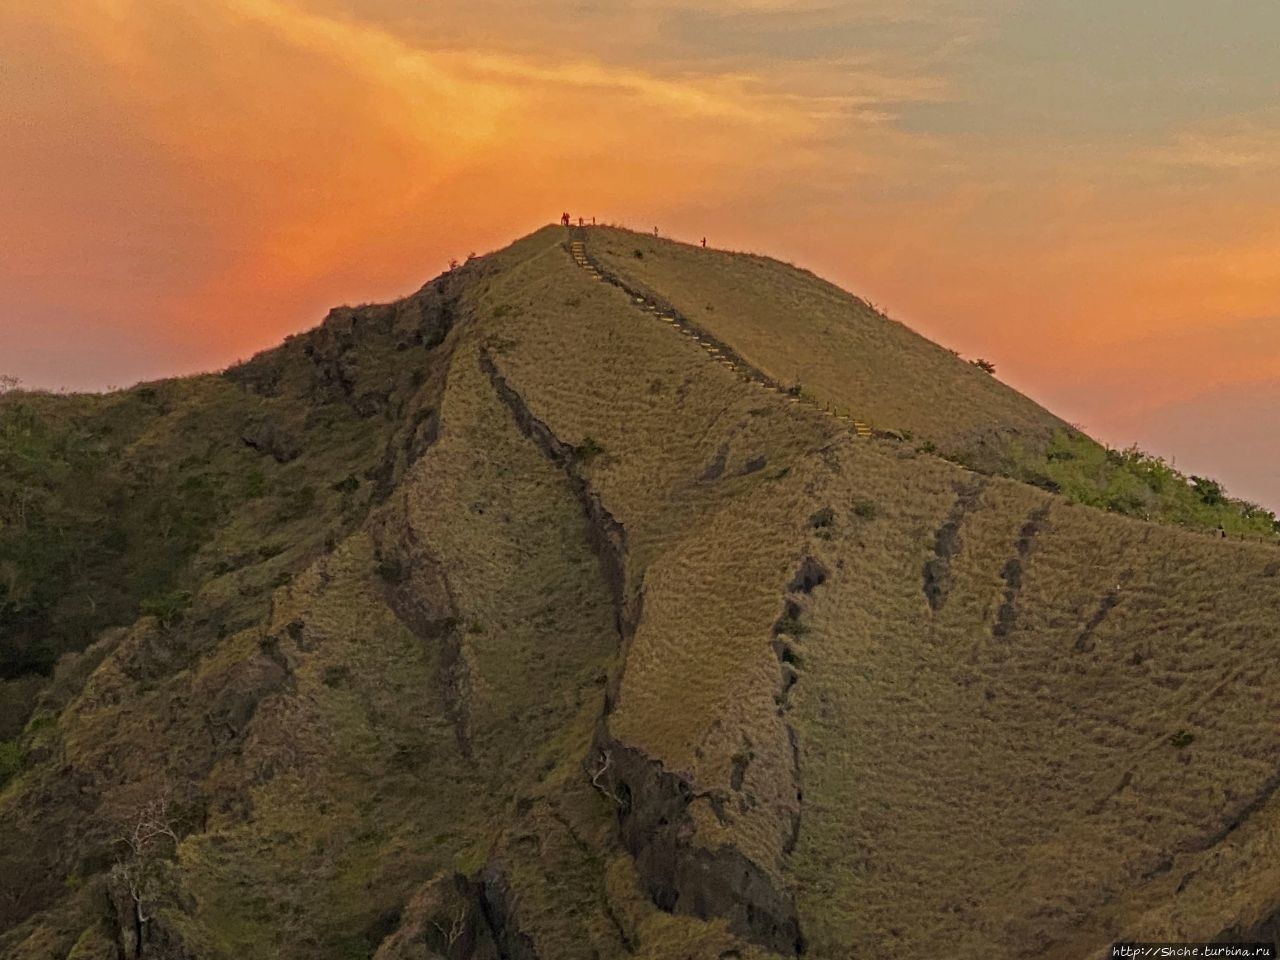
715	348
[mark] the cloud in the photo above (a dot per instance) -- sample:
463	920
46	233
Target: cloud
199	179
290	155
1241	145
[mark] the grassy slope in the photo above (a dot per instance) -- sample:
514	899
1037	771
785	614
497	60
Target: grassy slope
136	502
851	359
1033	782
844	354
960	756
1037	756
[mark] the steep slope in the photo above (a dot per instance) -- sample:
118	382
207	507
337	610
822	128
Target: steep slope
132	502
840	351
625	654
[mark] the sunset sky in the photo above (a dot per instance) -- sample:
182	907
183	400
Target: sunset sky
1085	192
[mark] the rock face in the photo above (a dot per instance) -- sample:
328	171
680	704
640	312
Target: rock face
658	830
522	625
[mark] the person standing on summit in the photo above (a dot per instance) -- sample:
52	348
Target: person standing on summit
564	219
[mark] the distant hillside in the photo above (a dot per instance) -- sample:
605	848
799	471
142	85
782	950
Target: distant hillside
538	616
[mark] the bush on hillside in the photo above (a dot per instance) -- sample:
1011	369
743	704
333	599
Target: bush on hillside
167	608
1138	484
587	450
11	757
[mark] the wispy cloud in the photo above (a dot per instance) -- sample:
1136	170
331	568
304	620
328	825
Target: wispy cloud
1244	145
200	178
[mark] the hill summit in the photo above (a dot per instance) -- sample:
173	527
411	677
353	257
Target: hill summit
611	597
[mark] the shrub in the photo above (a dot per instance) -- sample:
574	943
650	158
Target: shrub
587	450
296	503
822	518
865	509
790	626
1209	491
347	485
254	483
11	757
335	675
1137	484
392	570
985	365
787	653
168	608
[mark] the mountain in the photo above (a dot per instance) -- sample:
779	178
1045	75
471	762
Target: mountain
610	597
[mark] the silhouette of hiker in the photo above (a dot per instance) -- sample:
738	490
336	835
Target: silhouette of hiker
655	231
579	221
704	243
564	220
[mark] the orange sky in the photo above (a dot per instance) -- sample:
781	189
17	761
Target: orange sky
1090	197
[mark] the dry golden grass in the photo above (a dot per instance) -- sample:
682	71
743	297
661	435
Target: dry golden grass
1020	727
846	356
994	789
951	761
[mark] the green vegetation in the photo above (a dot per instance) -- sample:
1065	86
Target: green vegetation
790	626
370	670
86	531
125	504
1137	484
820	519
167	609
588	450
11	757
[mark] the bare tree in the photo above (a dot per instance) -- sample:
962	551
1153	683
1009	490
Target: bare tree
456	929
9	383
149	838
605	762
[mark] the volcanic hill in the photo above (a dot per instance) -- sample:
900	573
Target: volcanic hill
611	598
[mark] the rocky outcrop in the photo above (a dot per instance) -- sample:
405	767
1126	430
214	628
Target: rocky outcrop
272	439
677	874
608	536
1012	571
453	917
142	930
417	590
947	544
445	920
654	821
498	906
